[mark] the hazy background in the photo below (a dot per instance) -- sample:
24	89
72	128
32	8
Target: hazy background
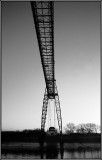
77	64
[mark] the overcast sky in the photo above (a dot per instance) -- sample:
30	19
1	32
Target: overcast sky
77	64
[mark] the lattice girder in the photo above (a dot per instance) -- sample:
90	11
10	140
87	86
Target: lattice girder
43	17
44	110
43	13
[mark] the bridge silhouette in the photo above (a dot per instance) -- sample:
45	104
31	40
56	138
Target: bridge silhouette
43	14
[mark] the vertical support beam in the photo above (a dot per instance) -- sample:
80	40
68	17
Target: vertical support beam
44	110
58	109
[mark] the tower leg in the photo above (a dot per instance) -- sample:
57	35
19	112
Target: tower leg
58	110
44	110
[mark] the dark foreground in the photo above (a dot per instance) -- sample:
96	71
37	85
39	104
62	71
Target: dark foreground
23	145
37	137
51	150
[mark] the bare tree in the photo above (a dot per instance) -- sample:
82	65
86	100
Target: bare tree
81	128
97	129
91	128
70	128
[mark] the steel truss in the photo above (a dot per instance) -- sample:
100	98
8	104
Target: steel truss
57	106
44	110
43	17
43	13
58	109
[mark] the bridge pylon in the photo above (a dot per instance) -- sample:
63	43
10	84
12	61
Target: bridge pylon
43	14
57	108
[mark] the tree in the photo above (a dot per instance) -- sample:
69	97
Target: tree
98	129
70	128
88	128
81	128
91	128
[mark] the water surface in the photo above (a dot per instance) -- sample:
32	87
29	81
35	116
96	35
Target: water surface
51	150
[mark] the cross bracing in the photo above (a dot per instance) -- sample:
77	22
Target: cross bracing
43	17
43	13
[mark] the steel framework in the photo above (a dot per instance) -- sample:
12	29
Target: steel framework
43	13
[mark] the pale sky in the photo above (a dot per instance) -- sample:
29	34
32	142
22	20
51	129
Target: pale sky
77	64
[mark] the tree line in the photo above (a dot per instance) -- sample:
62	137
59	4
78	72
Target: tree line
82	128
69	128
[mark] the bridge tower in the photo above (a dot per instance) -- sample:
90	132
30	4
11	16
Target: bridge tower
43	14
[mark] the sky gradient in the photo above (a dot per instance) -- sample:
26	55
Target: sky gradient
77	64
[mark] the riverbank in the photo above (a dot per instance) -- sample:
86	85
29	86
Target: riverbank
31	137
